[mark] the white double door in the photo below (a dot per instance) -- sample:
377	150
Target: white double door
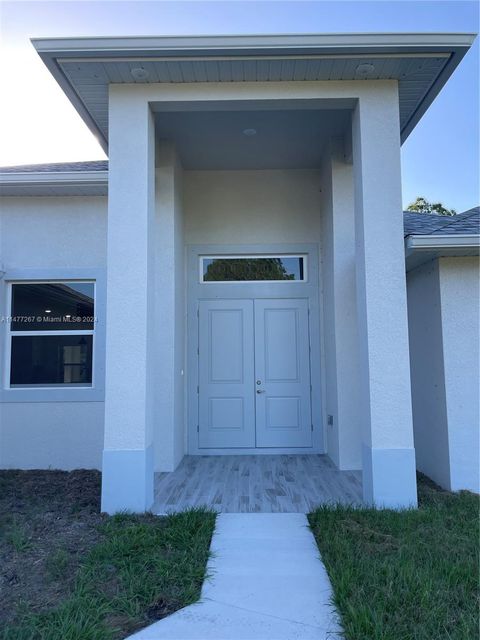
254	374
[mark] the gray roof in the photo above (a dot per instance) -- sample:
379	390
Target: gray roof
58	167
417	224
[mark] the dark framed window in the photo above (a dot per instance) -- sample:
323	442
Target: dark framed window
51	334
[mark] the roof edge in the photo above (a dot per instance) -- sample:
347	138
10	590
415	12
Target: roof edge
196	43
57	178
455	44
439	242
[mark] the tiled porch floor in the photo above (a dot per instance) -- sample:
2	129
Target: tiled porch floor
263	483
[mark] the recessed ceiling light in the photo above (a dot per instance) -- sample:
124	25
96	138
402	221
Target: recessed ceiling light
364	70
139	73
249	132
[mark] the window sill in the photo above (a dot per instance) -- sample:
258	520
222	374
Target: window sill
49	394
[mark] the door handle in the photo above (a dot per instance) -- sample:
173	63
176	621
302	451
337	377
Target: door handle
260	391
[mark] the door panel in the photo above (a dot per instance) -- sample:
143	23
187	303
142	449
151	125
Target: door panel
226	374
282	371
280	338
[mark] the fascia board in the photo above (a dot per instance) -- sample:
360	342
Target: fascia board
332	42
422	249
44	178
456	57
439	243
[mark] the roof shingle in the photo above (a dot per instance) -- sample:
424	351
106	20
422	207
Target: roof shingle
465	223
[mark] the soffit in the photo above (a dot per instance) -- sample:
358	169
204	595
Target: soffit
420	62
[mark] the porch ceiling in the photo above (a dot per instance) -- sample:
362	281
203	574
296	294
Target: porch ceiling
84	67
282	139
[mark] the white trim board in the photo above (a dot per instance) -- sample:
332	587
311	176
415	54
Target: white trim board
424	248
41	183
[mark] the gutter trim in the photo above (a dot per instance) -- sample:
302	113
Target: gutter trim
191	45
47	178
416	243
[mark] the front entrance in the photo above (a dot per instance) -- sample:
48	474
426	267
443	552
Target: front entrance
254	373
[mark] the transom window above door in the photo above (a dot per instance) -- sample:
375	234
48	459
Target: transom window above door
258	268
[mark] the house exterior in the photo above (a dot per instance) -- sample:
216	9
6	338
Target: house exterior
234	281
443	289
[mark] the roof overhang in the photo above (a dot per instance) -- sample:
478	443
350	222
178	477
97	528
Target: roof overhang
68	183
421	62
424	248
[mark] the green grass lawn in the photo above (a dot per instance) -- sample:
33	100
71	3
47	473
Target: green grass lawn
411	575
69	573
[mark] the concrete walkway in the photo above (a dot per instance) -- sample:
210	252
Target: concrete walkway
266	583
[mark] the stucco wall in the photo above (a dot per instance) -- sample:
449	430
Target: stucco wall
180	436
170	432
53	232
427	373
340	341
459	291
57	435
242	207
44	233
443	302
329	338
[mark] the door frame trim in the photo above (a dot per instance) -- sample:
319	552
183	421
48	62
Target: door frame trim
197	290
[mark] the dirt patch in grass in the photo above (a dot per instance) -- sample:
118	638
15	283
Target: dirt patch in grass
409	575
48	522
68	572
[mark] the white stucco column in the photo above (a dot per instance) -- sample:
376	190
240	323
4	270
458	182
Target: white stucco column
127	473
339	309
387	433
170	316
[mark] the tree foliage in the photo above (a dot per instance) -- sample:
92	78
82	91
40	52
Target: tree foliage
247	269
422	205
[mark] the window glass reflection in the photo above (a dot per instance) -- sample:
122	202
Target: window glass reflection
252	269
52	306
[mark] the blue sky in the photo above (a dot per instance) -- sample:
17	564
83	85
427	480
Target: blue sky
440	159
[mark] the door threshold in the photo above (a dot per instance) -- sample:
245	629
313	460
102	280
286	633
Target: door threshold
257	451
